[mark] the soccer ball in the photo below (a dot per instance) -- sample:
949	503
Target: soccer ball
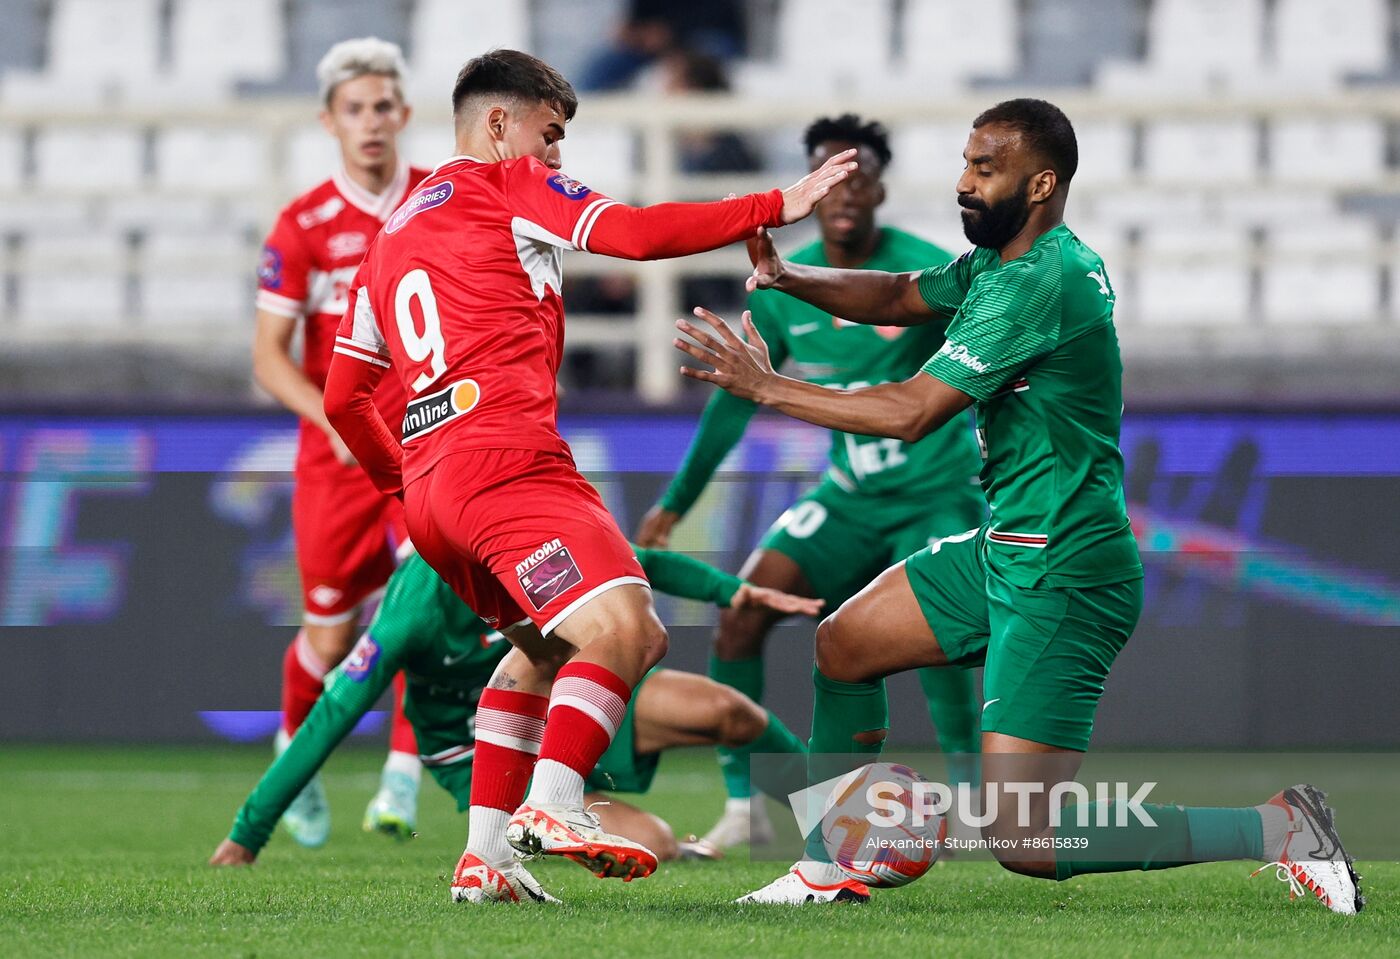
876	831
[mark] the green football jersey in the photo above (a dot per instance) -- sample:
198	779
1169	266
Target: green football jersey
827	350
1033	342
447	653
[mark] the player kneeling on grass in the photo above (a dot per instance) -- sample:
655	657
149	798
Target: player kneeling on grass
1047	592
449	655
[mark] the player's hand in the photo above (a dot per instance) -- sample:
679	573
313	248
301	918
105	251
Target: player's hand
655	531
231	853
767	265
750	596
743	369
341	451
806	193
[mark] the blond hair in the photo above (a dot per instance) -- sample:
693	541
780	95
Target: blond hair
363	56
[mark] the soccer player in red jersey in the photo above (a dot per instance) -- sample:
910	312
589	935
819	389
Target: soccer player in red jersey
459	296
346	530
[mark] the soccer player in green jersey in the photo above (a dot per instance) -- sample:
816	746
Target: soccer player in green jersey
881	498
449	655
1048	591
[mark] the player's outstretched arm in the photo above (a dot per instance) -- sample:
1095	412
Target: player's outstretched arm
676	574
358	683
908	411
861	296
681	229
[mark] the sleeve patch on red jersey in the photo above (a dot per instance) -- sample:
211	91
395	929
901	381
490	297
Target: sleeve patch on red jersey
568	187
270	269
428	198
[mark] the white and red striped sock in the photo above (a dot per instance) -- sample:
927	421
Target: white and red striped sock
302	674
586	706
509	728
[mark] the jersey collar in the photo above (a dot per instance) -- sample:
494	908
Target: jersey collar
377	205
456	159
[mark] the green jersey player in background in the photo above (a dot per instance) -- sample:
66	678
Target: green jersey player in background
1048	591
449	655
881	498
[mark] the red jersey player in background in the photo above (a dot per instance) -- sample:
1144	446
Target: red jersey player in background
346	531
459	296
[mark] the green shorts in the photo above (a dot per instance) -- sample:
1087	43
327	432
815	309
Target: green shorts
842	540
620	769
1046	650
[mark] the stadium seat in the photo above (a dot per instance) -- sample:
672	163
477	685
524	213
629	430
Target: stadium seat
72	280
1331	37
1192	275
934	149
1105	152
315	25
196	279
943	42
311	155
227	40
1139	206
446	33
820	42
22	40
1223	38
1264	205
426	145
1065	40
1186	150
11	160
1343	150
144	212
105	39
1322	272
89	158
216	160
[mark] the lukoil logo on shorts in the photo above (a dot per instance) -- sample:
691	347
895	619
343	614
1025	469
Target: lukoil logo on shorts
547	573
427	413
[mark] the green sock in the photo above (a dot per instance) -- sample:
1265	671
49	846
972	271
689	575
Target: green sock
1132	846
1220	835
839	711
745	675
1181	836
956	714
782	770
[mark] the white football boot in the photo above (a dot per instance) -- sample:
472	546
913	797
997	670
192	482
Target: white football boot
743	821
554	829
394	809
809	882
308	818
1310	857
476	882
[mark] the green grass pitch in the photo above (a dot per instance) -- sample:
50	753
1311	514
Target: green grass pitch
102	853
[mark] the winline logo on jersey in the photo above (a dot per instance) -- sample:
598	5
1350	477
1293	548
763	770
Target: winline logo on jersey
427	413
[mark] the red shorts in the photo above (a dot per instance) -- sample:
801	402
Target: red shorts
347	534
518	535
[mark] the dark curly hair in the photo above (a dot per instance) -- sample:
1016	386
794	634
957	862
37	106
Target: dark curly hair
849	128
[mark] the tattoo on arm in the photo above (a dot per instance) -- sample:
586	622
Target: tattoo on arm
503	682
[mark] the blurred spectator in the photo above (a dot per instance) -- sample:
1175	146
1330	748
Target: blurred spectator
654	28
720	151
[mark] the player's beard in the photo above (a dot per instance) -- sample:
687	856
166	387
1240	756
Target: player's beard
994	225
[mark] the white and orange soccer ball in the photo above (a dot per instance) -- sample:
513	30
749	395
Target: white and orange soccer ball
879	829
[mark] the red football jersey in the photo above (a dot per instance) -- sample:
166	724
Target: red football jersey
307	264
459	295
